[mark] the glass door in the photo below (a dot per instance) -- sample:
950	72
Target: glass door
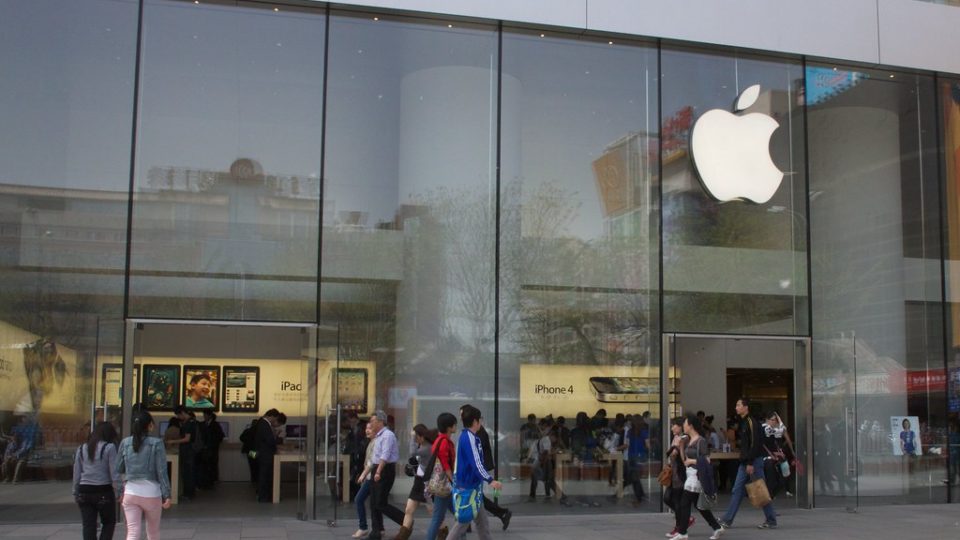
835	434
331	430
706	374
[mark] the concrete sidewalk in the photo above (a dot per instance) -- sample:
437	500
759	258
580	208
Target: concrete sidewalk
931	522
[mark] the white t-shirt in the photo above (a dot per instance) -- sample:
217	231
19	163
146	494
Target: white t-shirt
142	488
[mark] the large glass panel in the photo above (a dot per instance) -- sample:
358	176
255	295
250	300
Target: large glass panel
226	196
579	310
66	103
949	98
408	221
880	415
738	266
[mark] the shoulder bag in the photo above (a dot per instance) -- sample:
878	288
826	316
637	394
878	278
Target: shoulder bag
438	484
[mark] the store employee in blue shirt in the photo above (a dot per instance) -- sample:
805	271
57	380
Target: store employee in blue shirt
385	457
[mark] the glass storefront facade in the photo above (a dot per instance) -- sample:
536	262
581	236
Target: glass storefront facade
465	212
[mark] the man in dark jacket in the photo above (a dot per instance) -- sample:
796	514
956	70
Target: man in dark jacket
265	446
750	439
503	513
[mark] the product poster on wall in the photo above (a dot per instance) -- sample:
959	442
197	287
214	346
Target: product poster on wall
161	387
567	389
111	386
201	387
905	435
241	389
351	389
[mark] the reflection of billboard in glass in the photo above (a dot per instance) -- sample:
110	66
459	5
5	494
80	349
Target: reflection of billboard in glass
161	387
241	389
111	386
200	385
350	387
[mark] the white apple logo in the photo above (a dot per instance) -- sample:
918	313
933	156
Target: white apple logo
732	153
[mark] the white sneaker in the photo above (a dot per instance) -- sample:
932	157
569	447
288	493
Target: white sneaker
717	534
361	533
679	536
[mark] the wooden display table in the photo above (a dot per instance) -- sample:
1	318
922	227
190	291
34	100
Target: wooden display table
615	459
298	457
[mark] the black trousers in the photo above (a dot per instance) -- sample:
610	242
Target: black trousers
98	503
688	500
671	498
264	477
380	500
188	473
493	507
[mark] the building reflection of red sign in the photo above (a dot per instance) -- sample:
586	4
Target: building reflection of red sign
926	380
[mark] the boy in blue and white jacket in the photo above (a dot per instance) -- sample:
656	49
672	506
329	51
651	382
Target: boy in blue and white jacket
470	472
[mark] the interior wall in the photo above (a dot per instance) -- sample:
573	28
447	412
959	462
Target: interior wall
703	364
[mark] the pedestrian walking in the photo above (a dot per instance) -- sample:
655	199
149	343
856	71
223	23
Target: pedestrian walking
385	457
364	479
672	493
694	454
445	455
145	488
750	440
423	438
489	504
95	481
470	475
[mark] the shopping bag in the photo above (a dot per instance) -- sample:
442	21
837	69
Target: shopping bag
758	493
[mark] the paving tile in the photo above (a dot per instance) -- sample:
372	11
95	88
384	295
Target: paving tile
35	530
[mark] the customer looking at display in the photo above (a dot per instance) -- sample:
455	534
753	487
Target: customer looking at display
264	448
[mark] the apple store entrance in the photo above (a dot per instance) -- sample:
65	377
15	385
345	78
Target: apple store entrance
709	373
239	372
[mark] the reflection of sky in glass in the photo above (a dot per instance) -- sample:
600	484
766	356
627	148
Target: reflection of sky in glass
369	61
577	98
66	93
221	83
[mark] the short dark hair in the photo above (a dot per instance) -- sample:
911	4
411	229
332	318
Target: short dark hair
701	414
272	412
744	401
468	415
179	409
445	421
282	419
531	417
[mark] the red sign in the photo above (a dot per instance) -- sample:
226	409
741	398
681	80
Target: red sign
932	380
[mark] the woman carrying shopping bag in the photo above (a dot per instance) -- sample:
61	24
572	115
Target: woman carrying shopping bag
696	449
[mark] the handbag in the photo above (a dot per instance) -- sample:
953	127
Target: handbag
665	478
706	502
758	493
410	469
438	484
784	469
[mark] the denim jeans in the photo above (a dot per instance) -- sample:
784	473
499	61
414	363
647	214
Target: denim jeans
361	499
740	491
440	507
